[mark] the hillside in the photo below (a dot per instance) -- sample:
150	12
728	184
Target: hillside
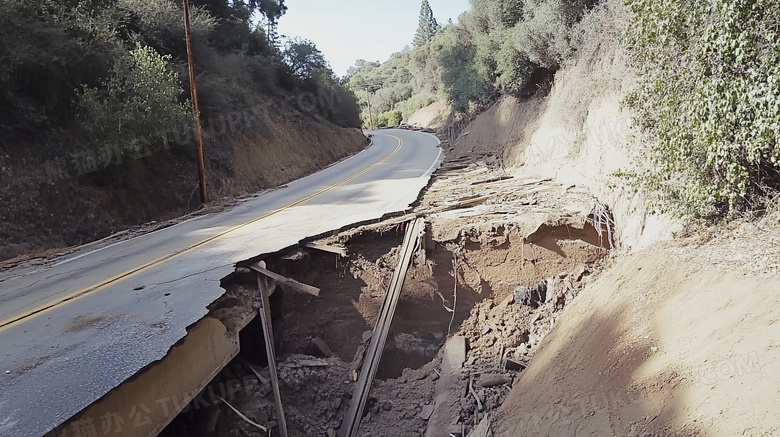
676	335
97	131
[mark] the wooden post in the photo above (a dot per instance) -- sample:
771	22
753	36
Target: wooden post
265	319
351	422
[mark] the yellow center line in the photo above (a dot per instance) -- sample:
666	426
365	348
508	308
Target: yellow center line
5	324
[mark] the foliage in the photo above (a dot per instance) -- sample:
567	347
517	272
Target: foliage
428	27
388	119
461	79
499	47
303	58
51	51
545	34
710	96
40	67
140	96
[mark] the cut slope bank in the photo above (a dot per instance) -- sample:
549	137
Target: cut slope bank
681	340
268	146
577	133
678	337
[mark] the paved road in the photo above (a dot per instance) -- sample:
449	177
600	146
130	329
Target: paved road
75	329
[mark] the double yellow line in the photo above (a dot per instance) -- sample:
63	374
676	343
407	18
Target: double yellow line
8	323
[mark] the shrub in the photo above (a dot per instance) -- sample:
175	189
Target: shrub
140	97
710	96
513	68
461	79
545	34
389	119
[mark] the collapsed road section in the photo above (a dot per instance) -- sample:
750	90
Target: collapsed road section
483	288
78	329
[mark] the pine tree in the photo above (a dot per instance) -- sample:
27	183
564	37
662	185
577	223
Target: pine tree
428	25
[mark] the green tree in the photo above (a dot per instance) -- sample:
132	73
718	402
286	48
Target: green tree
140	97
303	58
428	26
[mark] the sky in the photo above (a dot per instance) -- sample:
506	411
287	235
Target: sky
348	30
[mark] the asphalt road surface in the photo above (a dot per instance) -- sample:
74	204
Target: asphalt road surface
73	329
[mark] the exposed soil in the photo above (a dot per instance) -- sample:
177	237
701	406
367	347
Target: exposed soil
481	258
680	340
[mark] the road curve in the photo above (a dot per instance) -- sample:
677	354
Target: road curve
75	329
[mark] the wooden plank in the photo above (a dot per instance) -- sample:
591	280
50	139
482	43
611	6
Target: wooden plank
493	180
268	334
338	250
291	283
351	423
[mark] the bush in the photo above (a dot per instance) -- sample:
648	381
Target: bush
462	82
140	97
710	95
545	35
513	68
389	119
160	23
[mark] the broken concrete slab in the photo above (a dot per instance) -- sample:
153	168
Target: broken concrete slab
322	347
492	380
514	365
427	411
454	354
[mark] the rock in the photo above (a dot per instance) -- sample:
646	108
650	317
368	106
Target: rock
454	354
426	412
515	365
485	329
367	336
434	376
331	432
533	296
492	380
387	406
322	347
456	430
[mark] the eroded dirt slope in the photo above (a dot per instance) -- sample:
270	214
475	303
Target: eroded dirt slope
680	340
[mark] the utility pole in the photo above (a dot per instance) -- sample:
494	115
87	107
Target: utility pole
195	110
370	117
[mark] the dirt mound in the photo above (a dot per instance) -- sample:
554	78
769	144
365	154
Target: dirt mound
433	116
674	341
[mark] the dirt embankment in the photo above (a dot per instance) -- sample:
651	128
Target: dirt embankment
680	340
48	205
577	132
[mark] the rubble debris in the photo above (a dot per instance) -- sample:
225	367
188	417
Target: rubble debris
322	347
426	412
242	416
291	283
533	296
502	244
515	365
338	250
492	380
